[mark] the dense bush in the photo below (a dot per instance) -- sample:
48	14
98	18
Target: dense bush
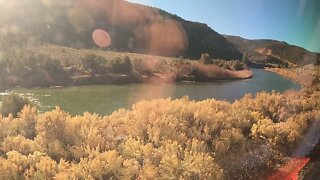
226	64
12	104
151	66
31	69
93	63
142	66
158	139
120	65
231	65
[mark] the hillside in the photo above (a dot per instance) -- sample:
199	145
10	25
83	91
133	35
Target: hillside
132	28
273	52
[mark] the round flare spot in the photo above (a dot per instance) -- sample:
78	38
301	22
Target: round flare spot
101	38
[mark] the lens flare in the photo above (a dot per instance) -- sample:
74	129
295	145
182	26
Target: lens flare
101	38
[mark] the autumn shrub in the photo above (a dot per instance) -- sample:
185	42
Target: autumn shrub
159	139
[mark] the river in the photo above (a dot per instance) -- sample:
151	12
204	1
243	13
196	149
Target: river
104	99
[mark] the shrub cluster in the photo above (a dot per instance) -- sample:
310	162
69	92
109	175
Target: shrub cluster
12	104
235	65
95	64
121	65
29	69
158	139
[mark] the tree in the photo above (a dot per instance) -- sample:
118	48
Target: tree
205	59
92	63
245	58
237	65
121	65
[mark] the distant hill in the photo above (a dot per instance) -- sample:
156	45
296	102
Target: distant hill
271	51
132	28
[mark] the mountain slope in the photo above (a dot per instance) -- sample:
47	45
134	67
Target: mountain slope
132	27
272	51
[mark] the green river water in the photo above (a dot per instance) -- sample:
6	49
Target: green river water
104	99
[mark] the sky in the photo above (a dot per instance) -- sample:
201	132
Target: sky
296	22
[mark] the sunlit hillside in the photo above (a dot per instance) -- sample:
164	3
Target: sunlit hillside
132	27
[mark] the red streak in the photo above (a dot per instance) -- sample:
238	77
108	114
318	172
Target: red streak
290	170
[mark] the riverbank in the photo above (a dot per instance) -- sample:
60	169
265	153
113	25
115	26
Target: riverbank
169	77
212	74
49	65
299	75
